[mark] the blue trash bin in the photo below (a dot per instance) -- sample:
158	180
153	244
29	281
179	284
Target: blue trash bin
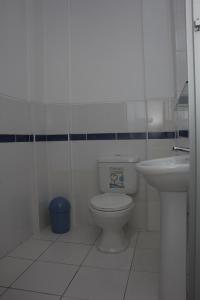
59	210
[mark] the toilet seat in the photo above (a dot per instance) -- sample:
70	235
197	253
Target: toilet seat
111	202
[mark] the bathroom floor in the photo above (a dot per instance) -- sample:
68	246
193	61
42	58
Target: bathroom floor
68	267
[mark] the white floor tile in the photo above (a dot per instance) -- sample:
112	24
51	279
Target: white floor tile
148	240
30	249
98	284
85	235
46	277
120	261
146	260
66	253
46	235
133	240
142	286
23	295
11	268
2	290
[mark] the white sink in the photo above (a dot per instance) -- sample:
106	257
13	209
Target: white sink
170	174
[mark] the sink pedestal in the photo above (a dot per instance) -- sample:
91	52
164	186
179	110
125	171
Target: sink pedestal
173	246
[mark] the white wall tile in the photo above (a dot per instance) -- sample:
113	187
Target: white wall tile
182	142
41	182
182	119
158	148
15	181
155	112
55	51
158	49
179	12
169	115
106	117
135	148
58	169
136	116
13	73
98	117
79	118
57	118
38	118
106	48
181	71
35	50
14	116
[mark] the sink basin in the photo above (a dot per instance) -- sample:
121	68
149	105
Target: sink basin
170	174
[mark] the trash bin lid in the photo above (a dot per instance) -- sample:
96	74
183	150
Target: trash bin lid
59	205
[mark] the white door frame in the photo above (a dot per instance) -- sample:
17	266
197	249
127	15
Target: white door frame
193	49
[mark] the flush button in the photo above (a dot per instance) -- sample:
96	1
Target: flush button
197	25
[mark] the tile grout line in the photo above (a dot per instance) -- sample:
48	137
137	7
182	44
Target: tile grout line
131	267
33	261
37	259
3	292
81	264
79	267
34	292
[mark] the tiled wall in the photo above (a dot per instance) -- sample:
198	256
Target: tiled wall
15	174
23	165
180	47
96	78
53	165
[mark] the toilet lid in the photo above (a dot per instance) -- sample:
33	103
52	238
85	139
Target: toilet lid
111	202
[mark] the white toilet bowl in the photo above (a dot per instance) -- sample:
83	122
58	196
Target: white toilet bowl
111	211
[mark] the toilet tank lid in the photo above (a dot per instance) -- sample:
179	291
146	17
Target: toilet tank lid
118	159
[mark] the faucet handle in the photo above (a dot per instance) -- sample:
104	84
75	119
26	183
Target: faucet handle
183	149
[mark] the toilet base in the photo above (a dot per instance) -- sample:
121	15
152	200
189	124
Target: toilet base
112	241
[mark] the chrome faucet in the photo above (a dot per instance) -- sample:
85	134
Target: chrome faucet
183	149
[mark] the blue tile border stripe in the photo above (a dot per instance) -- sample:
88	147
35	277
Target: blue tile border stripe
162	135
101	136
7	138
22	138
56	137
12	138
131	136
40	138
77	137
183	133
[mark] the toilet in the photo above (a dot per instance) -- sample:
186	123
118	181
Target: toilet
111	210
